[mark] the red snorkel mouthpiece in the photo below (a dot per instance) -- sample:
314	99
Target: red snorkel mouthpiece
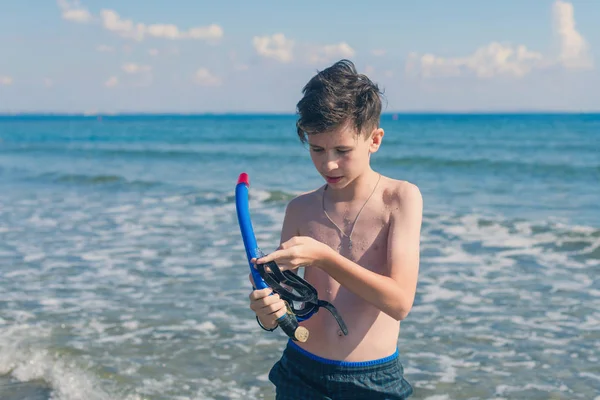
244	179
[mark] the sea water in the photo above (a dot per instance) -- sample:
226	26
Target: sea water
123	274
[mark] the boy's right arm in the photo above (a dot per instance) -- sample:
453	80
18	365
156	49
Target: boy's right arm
269	308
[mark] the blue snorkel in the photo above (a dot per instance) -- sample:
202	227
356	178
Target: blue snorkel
288	321
243	214
270	276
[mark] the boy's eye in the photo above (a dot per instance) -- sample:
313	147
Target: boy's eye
341	151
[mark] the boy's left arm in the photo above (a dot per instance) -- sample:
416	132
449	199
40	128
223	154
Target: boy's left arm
393	294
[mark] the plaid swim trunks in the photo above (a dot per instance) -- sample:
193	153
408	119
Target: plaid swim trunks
300	375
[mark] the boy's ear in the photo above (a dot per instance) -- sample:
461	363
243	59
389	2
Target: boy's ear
375	140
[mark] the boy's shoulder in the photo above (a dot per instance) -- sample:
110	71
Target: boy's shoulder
400	192
304	200
295	213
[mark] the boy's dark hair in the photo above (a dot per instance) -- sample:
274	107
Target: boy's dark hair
338	95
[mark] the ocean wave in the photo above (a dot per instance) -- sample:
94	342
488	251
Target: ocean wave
159	151
260	196
34	372
83	179
479	164
575	245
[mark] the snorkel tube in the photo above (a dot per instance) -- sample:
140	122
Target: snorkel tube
288	321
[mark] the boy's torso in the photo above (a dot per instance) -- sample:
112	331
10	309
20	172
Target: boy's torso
372	334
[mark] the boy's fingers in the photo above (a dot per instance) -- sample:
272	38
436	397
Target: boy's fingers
269	300
268	305
274	311
271	257
253	262
259	294
279	313
273	316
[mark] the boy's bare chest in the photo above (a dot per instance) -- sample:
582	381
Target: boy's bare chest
363	241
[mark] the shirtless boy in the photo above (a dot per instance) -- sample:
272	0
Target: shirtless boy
358	239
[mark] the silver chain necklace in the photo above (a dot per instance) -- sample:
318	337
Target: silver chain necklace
355	219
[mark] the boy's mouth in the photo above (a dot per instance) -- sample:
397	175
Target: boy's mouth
331	179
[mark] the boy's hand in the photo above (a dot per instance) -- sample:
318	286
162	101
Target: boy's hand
267	308
299	251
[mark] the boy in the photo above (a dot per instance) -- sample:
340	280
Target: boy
358	239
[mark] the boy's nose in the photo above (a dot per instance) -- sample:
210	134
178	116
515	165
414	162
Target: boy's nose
331	165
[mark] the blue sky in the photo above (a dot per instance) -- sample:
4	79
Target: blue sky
238	56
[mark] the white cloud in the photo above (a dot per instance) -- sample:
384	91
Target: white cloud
48	82
127	28
497	59
105	49
133	68
328	53
72	11
142	73
573	47
212	31
165	31
153	52
5	80
486	62
204	77
282	49
276	47
111	82
285	50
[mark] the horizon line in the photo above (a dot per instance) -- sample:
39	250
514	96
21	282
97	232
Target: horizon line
273	113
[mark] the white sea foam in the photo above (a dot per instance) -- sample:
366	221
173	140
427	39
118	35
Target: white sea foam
34	257
507	389
21	356
434	294
206	326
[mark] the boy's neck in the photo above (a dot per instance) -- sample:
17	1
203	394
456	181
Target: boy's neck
359	189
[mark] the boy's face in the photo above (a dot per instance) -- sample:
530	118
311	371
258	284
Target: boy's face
340	156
